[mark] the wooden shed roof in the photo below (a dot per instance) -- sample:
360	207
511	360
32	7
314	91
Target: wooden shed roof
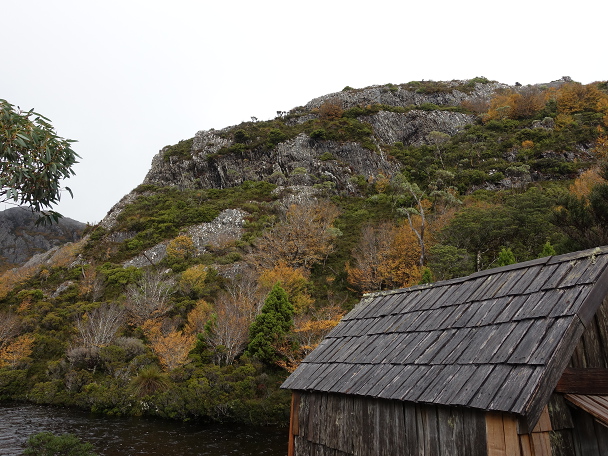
495	340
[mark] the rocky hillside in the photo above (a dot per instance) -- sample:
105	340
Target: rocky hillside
20	238
162	308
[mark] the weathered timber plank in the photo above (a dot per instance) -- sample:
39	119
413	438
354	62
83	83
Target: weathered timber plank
333	377
555	332
471	310
422	345
571	300
601	432
592	273
584	434
539	393
378	376
541	444
390	426
593	351
430	430
544	422
349	417
294	426
458	380
512	387
396	388
423	383
478	337
509	423
407	302
495	308
525	444
444	339
471	387
530	276
555	279
602	323
461	292
449	431
577	359
511	309
577	271
439	384
383	382
495	435
381	353
559	413
491	385
410	433
458	337
529	342
544	274
496	343
562	443
583	381
429	298
475	439
595	298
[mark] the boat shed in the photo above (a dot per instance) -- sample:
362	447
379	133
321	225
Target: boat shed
508	361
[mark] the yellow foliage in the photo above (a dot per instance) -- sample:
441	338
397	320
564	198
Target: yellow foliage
17	351
386	257
527	144
309	331
511	104
331	109
601	147
574	97
563	121
293	280
583	184
172	347
199	316
305	237
13	277
181	248
193	279
382	183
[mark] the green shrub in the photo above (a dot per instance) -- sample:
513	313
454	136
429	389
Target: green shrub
275	136
181	150
319	133
49	444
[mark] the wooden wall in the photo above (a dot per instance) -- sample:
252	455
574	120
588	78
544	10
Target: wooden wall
325	424
592	350
337	425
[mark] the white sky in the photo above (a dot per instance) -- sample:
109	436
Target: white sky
125	78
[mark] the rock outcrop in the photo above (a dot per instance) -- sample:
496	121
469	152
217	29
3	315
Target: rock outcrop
20	238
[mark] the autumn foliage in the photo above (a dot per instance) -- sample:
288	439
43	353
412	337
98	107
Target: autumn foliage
303	238
16	351
386	257
169	344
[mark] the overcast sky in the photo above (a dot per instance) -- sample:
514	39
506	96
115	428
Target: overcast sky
125	78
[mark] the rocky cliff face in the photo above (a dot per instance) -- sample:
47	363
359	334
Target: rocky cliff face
306	161
20	238
299	161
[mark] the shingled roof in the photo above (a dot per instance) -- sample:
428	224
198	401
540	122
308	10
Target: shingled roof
495	340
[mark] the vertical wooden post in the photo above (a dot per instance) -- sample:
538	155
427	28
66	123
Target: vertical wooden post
294	422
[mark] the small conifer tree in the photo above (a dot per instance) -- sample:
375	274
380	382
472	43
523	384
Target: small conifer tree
270	326
506	257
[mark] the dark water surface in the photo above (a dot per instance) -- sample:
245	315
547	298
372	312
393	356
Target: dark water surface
134	435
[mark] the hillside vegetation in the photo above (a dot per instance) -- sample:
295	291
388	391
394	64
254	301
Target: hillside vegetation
207	284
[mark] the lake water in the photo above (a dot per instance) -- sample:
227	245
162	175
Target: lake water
125	436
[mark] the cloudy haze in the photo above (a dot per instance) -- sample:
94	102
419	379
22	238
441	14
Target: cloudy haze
125	78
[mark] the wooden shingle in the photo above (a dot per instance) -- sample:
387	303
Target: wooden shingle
497	340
